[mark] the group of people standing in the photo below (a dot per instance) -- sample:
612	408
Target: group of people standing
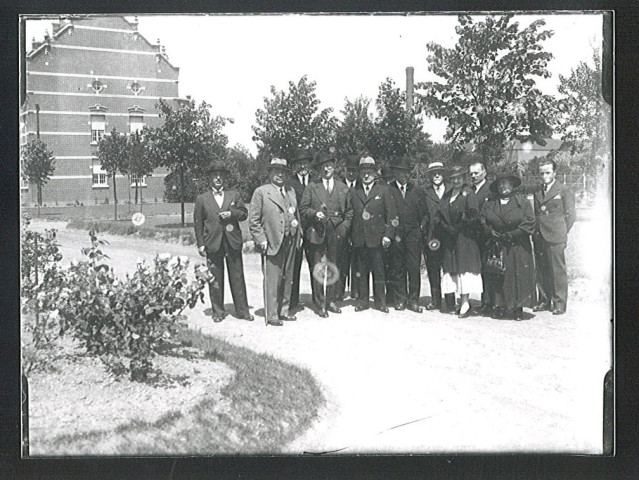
475	238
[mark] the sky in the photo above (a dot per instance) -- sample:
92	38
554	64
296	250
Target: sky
231	61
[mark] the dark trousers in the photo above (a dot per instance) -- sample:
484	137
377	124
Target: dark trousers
405	260
552	279
372	260
332	250
487	297
349	270
297	269
236	279
434	267
278	279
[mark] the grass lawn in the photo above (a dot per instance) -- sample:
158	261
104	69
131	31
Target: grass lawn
267	404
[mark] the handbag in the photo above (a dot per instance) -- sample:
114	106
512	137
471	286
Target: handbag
493	261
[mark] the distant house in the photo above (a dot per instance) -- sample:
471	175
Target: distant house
525	151
90	75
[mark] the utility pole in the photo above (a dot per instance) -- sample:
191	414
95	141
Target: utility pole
410	73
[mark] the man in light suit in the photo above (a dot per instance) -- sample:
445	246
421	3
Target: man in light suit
555	213
327	213
274	223
217	232
374	222
299	180
480	186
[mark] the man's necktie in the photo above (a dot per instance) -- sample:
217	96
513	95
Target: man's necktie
366	190
282	192
403	190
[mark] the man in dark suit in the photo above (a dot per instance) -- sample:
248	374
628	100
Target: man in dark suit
274	223
406	250
432	253
300	179
348	267
327	214
555	213
481	188
374	222
217	232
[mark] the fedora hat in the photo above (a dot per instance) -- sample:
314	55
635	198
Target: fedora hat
351	162
367	162
516	181
278	164
401	163
218	166
387	174
301	154
457	171
437	167
321	158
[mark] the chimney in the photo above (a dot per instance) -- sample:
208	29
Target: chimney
409	87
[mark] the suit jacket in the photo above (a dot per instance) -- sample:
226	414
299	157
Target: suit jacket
316	199
267	215
432	203
412	210
381	211
210	229
483	194
555	212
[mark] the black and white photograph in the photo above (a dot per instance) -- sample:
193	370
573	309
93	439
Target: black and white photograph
317	234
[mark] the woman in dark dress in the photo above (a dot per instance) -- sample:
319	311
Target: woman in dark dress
461	262
508	219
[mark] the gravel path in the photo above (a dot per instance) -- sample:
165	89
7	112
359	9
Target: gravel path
424	383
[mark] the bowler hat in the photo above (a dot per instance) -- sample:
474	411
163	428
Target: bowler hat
218	166
516	181
301	154
278	164
437	167
321	158
366	162
457	171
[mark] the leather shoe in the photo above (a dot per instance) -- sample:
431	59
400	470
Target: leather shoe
275	323
247	317
361	307
218	318
415	308
498	314
485	309
540	307
400	306
333	308
433	306
558	311
322	313
288	318
383	309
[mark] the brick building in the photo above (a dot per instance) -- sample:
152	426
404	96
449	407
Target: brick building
90	75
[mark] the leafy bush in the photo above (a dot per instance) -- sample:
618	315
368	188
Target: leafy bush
121	322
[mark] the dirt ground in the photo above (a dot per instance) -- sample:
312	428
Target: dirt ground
429	383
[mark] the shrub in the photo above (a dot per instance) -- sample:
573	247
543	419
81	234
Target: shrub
121	322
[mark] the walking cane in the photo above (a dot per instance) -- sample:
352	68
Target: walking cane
325	279
263	257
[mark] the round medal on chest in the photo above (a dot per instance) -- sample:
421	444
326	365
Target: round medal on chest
294	223
229	228
366	215
543	208
291	210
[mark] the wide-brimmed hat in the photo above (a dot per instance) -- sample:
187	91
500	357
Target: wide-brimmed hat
278	164
367	163
352	161
516	181
301	154
401	163
437	167
457	171
321	158
387	174
218	166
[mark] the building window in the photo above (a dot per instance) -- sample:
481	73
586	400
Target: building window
98	124
24	184
136	123
100	177
141	180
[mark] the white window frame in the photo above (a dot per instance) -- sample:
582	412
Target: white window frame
142	181
24	184
97	134
100	177
136	123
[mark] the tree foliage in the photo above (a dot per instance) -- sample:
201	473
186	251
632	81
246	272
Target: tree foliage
140	161
38	164
355	134
292	119
487	91
113	154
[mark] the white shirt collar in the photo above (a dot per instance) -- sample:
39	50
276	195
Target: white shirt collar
479	185
399	185
549	186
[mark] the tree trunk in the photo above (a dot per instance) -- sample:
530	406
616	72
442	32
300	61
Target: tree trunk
115	201
136	191
182	195
39	197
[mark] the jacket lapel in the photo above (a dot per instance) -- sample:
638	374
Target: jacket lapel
554	190
210	198
371	194
226	202
275	196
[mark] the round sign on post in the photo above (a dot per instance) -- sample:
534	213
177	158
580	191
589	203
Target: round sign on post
137	219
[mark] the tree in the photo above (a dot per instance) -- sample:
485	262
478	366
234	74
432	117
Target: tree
187	141
113	153
38	164
488	93
293	119
139	162
398	131
355	134
247	173
584	119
